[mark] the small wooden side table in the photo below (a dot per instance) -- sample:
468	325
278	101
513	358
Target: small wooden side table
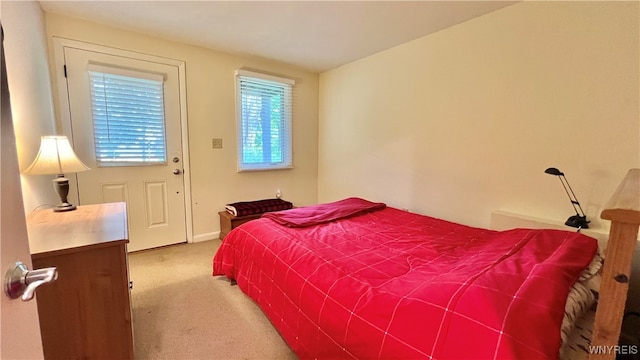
229	222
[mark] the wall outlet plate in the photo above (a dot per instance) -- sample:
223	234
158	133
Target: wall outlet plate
216	143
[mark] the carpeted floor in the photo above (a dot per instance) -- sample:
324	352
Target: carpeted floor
180	311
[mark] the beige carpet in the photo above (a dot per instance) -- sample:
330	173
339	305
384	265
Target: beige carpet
180	311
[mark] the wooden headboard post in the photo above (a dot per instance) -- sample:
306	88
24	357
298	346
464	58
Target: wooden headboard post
623	210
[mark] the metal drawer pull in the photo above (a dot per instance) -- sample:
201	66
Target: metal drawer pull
22	282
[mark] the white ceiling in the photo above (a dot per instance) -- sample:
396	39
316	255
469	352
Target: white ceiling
314	35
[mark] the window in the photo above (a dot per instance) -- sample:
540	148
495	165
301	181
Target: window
128	117
264	121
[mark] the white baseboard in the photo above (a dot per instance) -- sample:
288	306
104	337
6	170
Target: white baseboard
206	236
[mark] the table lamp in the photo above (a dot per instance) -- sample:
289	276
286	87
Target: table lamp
57	157
579	220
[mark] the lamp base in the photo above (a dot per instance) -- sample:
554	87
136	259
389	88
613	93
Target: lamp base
578	221
61	184
64	207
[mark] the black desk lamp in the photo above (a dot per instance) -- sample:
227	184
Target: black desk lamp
579	220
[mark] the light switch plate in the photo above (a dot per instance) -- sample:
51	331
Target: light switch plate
216	143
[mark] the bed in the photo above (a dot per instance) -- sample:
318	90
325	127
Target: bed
358	279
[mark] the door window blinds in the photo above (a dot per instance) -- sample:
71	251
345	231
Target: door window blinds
128	117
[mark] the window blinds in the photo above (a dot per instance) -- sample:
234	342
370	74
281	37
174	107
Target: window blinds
128	117
264	121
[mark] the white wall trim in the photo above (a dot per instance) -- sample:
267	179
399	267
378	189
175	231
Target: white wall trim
65	117
206	237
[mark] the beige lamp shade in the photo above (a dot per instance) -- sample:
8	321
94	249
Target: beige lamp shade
55	157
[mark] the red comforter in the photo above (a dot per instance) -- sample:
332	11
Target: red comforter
396	285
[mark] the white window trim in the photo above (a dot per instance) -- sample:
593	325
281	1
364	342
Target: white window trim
241	72
239	152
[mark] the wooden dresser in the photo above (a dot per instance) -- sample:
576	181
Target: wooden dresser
86	313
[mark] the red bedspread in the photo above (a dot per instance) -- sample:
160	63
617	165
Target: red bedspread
320	214
396	285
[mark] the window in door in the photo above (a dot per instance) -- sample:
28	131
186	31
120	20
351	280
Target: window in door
264	121
128	117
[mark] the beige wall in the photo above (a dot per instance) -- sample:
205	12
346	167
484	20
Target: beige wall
465	121
30	87
211	114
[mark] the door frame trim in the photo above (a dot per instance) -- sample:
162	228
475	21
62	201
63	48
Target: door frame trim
59	43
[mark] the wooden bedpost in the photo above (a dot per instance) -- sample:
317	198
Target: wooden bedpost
623	209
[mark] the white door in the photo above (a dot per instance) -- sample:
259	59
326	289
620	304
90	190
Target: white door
20	332
131	165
